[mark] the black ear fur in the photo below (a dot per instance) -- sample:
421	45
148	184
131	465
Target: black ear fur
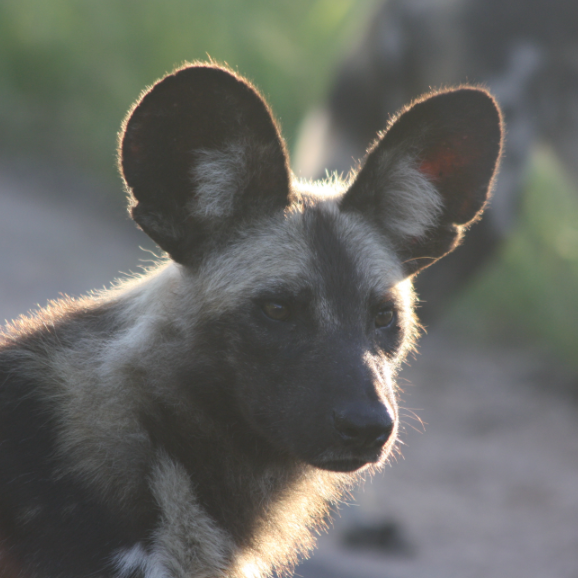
451	140
200	152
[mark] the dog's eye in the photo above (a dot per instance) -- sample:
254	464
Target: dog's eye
276	311
384	316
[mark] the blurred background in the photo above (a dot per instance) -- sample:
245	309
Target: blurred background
491	489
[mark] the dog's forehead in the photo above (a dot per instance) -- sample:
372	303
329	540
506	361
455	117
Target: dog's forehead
347	256
317	248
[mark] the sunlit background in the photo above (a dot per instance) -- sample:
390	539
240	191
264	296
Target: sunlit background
70	70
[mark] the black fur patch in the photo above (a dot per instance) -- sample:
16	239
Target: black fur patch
224	463
342	284
49	520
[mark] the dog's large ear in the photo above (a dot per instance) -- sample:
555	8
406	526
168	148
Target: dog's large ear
200	153
430	175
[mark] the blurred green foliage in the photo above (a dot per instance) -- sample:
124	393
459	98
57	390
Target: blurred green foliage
70	69
530	291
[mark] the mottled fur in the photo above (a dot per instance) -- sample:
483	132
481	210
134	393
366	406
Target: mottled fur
200	421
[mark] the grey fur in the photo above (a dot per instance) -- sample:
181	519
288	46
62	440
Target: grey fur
151	392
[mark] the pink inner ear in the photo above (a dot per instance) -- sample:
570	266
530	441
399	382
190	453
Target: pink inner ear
452	165
444	160
136	148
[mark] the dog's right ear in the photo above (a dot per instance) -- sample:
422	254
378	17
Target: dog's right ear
200	153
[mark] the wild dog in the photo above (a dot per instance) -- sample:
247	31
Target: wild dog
525	51
200	420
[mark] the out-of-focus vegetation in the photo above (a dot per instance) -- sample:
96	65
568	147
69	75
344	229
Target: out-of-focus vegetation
531	290
69	70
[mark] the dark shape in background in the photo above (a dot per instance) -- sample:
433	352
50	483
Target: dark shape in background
526	53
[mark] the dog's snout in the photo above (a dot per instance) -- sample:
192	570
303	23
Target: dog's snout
364	427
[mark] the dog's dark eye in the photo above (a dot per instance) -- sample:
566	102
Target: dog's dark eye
384	317
276	311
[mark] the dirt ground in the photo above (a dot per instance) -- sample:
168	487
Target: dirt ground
488	487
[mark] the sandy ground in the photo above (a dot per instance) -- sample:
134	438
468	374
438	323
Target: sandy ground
487	488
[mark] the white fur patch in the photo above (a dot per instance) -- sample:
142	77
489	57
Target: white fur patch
414	204
187	542
136	558
218	175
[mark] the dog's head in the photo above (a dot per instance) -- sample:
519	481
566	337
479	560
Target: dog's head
300	293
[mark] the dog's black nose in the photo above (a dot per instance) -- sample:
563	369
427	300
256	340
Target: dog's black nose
364	427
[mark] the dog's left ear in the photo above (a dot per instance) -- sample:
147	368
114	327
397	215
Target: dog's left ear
430	175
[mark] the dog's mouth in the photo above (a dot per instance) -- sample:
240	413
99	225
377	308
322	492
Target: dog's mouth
348	463
344	465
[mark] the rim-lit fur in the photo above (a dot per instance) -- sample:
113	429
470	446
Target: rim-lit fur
202	419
